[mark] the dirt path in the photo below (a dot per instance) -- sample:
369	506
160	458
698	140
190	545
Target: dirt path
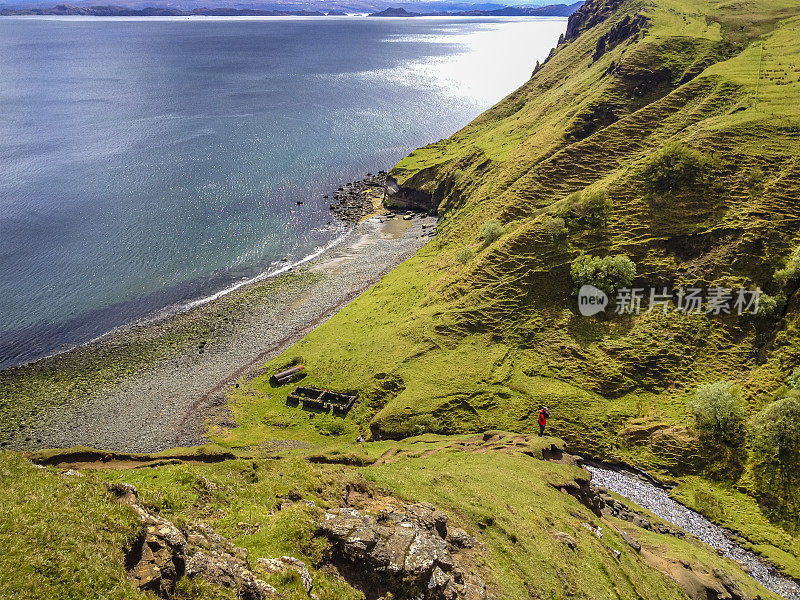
168	405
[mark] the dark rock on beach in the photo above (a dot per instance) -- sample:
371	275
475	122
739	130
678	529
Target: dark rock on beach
358	199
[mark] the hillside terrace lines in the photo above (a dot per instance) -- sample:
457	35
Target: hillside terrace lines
569	170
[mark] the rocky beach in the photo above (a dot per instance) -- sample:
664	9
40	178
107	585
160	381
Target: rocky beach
168	399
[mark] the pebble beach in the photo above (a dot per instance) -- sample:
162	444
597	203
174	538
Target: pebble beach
168	404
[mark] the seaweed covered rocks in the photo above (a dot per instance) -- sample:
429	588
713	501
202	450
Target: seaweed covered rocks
358	199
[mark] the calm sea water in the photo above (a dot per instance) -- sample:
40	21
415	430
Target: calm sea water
147	163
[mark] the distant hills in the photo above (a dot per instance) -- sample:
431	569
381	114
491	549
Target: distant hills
273	7
121	11
552	10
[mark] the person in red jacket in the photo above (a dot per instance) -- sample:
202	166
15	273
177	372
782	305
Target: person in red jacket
544	414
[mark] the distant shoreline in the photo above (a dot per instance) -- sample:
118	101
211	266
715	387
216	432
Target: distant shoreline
67	10
553	10
119	11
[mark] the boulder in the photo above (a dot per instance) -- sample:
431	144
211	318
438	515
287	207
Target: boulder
405	551
162	554
628	539
566	539
458	538
284	563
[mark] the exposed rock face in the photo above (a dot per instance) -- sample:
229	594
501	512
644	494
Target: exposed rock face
163	554
401	197
627	28
585	493
215	559
697	581
406	552
587	16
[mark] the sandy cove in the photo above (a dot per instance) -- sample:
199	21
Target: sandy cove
169	403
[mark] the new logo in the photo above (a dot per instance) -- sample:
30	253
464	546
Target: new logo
591	300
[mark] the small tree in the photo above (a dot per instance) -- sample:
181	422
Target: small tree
770	307
719	410
492	231
597	206
608	274
555	226
791	271
775	443
587	210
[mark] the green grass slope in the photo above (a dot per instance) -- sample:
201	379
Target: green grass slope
64	534
452	344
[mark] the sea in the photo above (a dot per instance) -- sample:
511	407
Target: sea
149	164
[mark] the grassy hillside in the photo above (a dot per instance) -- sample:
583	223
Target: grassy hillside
493	489
667	131
458	341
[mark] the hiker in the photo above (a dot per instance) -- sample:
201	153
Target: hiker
544	414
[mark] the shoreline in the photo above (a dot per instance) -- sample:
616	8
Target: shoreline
354	203
159	315
151	385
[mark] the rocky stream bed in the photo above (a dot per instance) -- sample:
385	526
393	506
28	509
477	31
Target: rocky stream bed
657	500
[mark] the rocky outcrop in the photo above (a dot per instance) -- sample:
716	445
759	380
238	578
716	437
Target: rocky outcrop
587	16
406	551
627	28
355	200
162	554
401	197
585	493
697	581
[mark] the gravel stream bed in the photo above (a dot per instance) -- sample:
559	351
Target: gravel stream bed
657	501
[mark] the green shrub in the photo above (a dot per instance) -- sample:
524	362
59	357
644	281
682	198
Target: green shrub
590	209
492	231
792	270
676	168
555	226
770	307
719	410
608	274
465	255
597	205
793	380
775	452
